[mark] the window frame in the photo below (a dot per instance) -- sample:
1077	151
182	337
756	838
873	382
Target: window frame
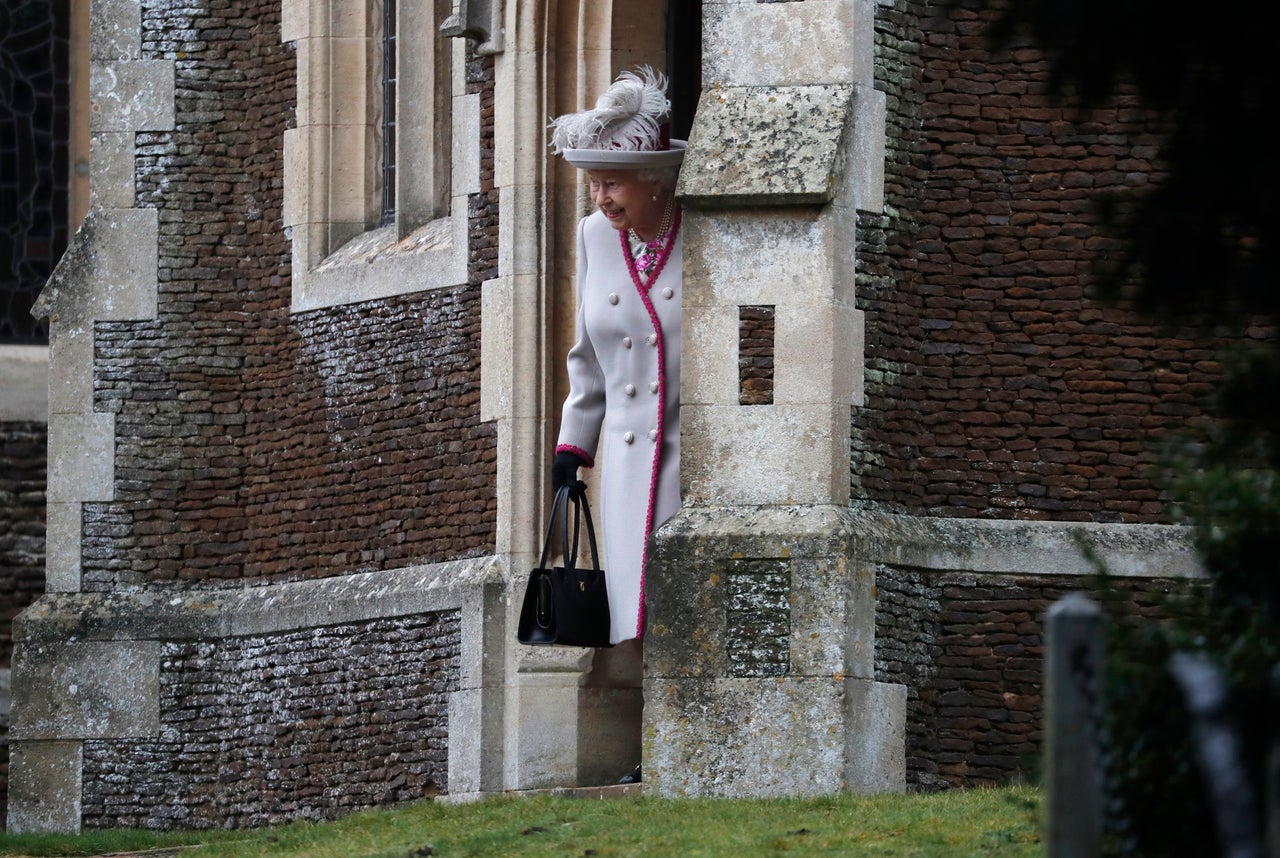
333	156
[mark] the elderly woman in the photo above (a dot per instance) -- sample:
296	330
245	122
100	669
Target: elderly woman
623	408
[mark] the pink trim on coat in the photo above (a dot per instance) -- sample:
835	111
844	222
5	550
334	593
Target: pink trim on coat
588	460
642	288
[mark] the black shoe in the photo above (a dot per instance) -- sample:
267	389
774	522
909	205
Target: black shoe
632	777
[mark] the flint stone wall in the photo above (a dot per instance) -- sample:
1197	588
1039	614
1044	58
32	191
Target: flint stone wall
309	724
970	650
22	522
253	443
996	387
22	525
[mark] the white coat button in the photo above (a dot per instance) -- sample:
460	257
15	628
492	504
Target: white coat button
652	339
629	390
653	387
629	437
667	293
653	434
626	342
613	297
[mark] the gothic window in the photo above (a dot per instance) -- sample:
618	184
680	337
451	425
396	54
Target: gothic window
384	153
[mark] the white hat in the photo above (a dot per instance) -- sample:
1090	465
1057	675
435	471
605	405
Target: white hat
624	131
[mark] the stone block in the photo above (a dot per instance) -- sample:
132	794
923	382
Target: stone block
497	349
817	41
73	690
109	271
875	736
766	146
82	458
62	546
115	30
111	165
863	180
750	738
1003	547
484	631
44	787
815	360
295	20
475	741
758	256
352	184
299	210
70	368
765	454
709	374
758	591
521	514
25	394
131	96
465	155
350	64
518	247
542	729
375	265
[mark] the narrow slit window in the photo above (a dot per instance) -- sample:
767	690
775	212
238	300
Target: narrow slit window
388	112
755	355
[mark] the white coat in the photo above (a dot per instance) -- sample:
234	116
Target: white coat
624	396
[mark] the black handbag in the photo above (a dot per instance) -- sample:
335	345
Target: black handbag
566	605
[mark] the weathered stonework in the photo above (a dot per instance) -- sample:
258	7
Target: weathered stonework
251	707
759	658
263	729
766	146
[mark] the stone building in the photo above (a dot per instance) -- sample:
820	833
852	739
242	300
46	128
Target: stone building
305	366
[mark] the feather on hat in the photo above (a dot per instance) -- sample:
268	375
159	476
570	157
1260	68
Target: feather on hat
625	130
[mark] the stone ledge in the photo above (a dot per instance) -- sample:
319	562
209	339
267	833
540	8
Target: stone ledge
766	146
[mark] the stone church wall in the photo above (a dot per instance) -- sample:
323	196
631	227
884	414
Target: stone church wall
22	482
258	729
255	444
331	455
970	649
996	386
334	454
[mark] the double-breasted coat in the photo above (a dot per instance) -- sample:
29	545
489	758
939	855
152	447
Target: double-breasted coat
623	407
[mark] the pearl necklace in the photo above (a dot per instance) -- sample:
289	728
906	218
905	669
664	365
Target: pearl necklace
645	253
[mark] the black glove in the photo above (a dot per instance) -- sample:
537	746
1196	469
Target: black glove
564	470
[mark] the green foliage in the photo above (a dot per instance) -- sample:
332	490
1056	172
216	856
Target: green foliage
1204	243
1198	249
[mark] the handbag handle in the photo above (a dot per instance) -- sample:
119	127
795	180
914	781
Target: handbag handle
566	494
580	504
561	502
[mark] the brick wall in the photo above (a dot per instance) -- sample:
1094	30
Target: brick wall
255	444
302	725
996	386
970	649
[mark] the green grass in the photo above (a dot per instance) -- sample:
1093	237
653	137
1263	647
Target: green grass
955	824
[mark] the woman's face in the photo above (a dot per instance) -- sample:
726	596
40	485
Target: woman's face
627	201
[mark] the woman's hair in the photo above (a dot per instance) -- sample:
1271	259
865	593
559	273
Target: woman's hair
667	175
